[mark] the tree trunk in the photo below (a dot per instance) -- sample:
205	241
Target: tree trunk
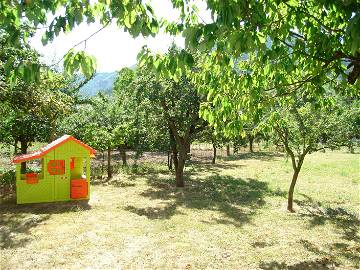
15	147
170	160
173	153
179	164
102	163
123	154
180	147
23	148
291	190
351	147
109	163
180	172
251	142
296	167
214	154
188	146
175	158
52	136
228	150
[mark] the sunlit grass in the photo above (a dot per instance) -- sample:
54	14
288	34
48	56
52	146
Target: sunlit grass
231	215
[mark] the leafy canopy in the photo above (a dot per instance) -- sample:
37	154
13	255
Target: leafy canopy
254	53
20	19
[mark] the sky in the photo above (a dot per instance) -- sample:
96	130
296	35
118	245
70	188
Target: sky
112	47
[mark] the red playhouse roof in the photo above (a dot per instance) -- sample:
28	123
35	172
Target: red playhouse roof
44	150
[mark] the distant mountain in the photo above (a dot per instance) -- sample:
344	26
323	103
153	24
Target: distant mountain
102	82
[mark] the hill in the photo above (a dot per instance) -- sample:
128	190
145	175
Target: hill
102	82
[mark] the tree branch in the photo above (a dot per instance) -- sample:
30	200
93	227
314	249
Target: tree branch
82	41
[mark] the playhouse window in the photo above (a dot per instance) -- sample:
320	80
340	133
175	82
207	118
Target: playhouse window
31	169
32	166
56	167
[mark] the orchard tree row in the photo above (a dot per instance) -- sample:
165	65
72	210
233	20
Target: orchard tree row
152	112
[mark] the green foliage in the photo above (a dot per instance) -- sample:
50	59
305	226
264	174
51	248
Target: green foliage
75	61
31	111
125	77
253	59
94	123
20	19
255	53
17	62
304	128
7	177
144	132
106	122
171	101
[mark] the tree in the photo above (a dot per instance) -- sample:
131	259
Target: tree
249	127
179	105
175	104
143	133
228	150
321	33
259	51
33	111
215	138
348	122
124	79
98	124
302	128
259	54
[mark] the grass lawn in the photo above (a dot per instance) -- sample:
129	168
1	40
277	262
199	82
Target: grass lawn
230	215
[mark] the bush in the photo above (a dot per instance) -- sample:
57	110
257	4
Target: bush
7	182
7	177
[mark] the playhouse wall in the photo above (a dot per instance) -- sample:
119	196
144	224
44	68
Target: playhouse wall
40	192
54	187
69	150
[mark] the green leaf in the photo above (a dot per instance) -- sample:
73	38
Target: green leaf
261	37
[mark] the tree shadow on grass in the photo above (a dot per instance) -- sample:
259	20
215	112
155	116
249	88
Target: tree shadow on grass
331	255
15	229
323	263
155	212
346	222
261	244
334	250
263	156
235	198
16	221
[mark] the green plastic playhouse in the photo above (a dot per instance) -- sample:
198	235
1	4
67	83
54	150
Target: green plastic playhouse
64	175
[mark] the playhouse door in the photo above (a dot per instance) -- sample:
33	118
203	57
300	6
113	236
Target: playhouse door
61	178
